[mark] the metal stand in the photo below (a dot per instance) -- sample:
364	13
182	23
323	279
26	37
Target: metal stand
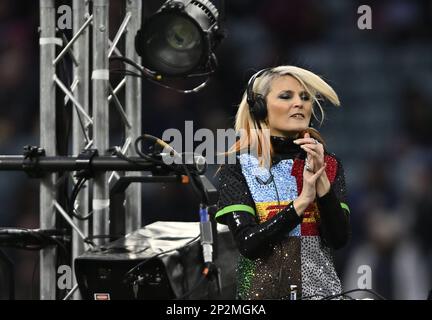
79	136
133	111
88	130
47	43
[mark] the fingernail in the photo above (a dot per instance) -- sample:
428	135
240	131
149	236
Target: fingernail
295	141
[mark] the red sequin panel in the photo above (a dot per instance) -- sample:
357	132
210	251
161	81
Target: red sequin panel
331	167
309	229
298	165
309	226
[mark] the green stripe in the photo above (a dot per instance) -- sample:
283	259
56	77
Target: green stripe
245	276
345	206
235	207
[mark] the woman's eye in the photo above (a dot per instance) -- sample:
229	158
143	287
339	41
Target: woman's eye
285	96
305	96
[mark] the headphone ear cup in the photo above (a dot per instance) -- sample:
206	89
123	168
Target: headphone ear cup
260	108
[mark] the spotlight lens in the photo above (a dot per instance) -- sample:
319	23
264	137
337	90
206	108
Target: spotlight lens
181	34
173	45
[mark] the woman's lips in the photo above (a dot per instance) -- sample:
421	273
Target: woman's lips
298	116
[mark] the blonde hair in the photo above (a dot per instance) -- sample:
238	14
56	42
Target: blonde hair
256	136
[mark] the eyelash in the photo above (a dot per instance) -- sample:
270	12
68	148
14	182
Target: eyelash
304	97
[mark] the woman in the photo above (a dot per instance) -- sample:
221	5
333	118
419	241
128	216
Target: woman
285	204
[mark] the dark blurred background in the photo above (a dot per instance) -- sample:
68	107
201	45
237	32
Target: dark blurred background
382	132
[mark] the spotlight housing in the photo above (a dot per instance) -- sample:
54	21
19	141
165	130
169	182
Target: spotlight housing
179	38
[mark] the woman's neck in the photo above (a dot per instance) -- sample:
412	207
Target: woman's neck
284	145
287	135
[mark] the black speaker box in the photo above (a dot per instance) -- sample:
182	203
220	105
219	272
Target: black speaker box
171	264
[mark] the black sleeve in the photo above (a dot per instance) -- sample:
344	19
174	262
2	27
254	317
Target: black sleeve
234	194
334	212
236	209
253	239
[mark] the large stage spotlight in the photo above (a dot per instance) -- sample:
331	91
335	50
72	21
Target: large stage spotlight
180	37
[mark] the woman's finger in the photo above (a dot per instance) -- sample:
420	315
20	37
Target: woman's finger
319	172
306	140
318	161
309	164
312	178
318	149
313	153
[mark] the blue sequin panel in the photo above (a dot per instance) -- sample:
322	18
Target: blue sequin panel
285	182
260	183
296	232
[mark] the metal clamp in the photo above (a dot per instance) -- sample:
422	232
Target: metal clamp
86	157
31	161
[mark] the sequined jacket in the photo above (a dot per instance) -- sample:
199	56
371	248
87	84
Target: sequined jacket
279	249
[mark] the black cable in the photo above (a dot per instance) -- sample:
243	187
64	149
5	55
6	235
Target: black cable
144	71
195	287
275	187
187	91
213	63
42	239
145	156
33	277
197	185
126	72
68	77
206	274
159	162
77	188
65	73
120	155
354	290
155	78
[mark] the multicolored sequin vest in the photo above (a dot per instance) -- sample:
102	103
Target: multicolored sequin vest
300	259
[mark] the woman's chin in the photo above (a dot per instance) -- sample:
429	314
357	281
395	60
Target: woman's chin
291	132
295	129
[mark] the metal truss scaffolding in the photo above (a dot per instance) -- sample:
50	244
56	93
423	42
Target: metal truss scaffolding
90	129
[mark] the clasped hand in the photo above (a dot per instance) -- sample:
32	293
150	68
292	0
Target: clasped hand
315	180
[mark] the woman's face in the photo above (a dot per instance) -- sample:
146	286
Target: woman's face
289	107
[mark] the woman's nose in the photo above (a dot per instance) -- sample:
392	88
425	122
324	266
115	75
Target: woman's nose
297	102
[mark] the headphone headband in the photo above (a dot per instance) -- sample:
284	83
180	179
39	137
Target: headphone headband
256	102
249	91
